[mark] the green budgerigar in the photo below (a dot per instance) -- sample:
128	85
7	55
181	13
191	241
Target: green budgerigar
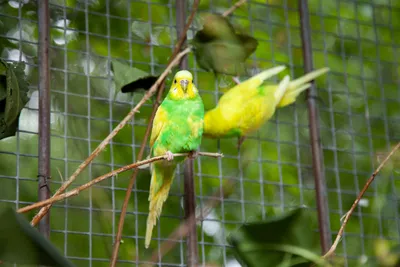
177	128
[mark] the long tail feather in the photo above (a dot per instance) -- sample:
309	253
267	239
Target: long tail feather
299	85
282	88
161	180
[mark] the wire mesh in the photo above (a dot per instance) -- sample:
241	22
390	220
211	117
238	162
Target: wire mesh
358	104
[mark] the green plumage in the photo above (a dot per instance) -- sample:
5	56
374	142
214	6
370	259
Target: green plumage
177	128
177	134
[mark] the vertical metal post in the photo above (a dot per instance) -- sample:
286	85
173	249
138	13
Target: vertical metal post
315	140
189	195
44	112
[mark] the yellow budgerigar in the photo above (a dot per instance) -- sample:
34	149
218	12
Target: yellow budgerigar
248	105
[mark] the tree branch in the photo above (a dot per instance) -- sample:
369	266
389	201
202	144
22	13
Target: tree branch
353	207
103	177
233	8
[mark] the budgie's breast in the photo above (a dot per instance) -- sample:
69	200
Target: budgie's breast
183	126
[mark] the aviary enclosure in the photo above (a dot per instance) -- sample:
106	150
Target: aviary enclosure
76	116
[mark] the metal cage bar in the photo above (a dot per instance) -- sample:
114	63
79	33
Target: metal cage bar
44	111
315	139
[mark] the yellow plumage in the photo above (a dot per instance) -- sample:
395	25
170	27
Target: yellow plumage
248	105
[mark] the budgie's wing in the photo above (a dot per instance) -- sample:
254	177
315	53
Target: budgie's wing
159	121
161	174
158	124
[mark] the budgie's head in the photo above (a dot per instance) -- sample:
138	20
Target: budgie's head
182	86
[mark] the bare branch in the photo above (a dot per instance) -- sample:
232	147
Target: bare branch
353	207
103	177
233	8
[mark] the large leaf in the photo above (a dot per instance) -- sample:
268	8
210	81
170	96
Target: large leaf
281	239
144	83
215	27
219	48
13	96
249	44
130	79
22	244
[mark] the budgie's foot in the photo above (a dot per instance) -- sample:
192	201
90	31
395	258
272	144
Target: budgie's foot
240	141
169	155
236	79
193	154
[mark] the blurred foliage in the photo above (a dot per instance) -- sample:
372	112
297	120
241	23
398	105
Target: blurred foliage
142	83
130	80
219	48
13	96
386	256
358	106
286	240
23	244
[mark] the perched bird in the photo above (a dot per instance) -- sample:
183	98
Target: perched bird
177	128
248	105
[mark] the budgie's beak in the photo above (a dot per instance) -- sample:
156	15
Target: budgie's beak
184	84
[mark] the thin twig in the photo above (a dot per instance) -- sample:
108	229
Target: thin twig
360	195
233	8
132	180
183	229
107	140
103	177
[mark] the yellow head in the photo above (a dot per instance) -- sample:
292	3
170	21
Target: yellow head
182	86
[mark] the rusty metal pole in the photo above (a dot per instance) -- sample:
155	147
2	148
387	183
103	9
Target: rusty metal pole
189	194
315	140
44	111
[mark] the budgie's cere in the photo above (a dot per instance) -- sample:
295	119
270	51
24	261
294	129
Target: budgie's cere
247	106
177	128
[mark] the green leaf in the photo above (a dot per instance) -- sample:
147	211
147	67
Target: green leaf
22	244
13	96
249	43
144	83
3	80
215	27
220	49
125	74
287	238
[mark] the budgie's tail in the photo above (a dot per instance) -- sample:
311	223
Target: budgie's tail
280	91
299	85
161	180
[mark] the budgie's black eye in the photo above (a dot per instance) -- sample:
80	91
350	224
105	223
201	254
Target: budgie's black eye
174	81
